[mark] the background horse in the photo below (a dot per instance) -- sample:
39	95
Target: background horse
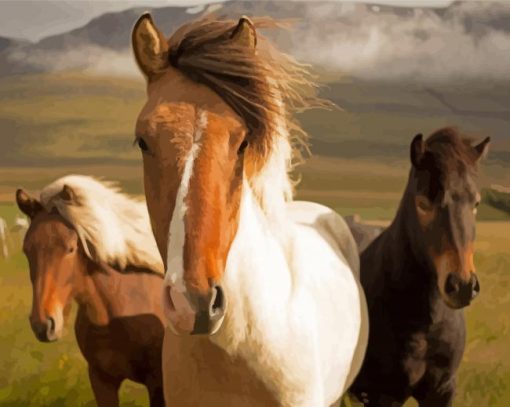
268	288
417	276
4	236
90	243
363	233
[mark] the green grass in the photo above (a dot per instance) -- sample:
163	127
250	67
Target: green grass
69	118
485	373
53	125
34	373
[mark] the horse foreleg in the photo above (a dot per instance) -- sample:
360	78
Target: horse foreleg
442	397
377	400
105	388
156	394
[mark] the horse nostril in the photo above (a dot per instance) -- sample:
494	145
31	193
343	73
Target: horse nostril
217	301
40	329
50	324
476	286
452	284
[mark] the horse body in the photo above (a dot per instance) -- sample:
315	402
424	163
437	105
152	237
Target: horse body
296	303
363	233
263	291
321	238
419	274
416	341
119	331
284	304
77	252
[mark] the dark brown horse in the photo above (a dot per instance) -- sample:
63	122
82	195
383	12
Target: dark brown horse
419	274
118	326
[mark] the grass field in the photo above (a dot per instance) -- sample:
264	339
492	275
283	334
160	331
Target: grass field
35	374
60	124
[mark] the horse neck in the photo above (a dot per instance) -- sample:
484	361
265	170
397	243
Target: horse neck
92	295
405	245
272	186
257	256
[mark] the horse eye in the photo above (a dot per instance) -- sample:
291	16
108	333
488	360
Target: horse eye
71	249
143	145
424	204
242	147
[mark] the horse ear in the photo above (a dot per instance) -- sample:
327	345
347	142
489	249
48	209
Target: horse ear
67	194
482	149
417	150
149	46
28	205
244	33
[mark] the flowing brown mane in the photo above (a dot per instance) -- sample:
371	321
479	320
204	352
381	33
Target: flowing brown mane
261	85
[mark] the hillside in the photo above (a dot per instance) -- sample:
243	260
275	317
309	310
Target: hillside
95	115
53	124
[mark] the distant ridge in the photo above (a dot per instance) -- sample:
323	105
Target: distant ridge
320	22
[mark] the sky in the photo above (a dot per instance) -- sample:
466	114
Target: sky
36	19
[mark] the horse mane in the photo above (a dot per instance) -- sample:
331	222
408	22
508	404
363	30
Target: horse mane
452	150
113	228
263	86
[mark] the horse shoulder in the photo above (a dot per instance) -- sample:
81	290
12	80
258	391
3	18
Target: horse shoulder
351	309
331	226
134	292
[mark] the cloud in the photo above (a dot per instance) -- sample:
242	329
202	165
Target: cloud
90	59
466	41
470	40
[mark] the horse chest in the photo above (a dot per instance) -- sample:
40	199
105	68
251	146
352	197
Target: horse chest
102	347
123	348
414	361
191	363
407	343
435	350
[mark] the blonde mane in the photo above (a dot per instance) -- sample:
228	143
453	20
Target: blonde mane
263	86
112	227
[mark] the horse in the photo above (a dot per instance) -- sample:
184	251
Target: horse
419	274
363	233
21	225
261	294
90	243
4	236
18	230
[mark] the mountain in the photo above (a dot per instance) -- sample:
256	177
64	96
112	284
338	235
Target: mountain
7	44
465	39
9	47
420	67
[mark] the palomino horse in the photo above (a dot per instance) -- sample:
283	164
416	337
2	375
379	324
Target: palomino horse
261	293
90	243
417	276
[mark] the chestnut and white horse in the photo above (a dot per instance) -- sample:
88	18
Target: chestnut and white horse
262	294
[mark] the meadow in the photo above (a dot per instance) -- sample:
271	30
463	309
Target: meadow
51	125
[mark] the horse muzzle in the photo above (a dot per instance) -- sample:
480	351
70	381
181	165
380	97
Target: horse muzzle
49	330
189	313
460	293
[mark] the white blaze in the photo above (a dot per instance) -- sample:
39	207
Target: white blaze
177	233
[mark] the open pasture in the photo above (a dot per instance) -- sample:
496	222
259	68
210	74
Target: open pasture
52	125
34	373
